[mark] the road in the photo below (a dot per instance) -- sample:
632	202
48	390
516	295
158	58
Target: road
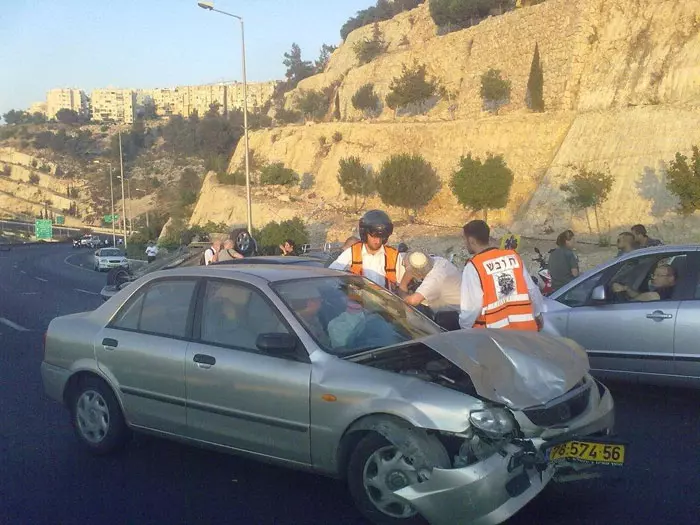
46	478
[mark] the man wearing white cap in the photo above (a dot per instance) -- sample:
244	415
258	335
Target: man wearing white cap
442	281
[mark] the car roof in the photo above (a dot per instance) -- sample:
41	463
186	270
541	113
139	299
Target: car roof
267	272
272	259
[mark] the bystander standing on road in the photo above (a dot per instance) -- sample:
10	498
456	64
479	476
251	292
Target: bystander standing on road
151	251
211	254
642	239
228	252
497	290
288	247
563	261
625	243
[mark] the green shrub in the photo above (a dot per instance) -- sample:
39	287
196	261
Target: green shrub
407	181
7	170
462	13
33	178
411	87
44	169
104	128
277	174
355	178
273	234
307	181
684	181
288	116
495	90
237	178
482	186
365	99
383	10
312	104
337	137
367	50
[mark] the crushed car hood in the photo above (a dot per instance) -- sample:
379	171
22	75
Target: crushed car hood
518	369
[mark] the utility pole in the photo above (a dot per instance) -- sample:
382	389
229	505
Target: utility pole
111	191
121	169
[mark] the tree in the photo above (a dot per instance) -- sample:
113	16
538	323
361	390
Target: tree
355	179
495	91
462	13
535	84
588	189
149	109
287	116
273	234
312	104
367	50
323	58
67	116
407	181
684	181
365	99
297	69
276	173
14	117
33	178
482	186
383	10
188	187
411	87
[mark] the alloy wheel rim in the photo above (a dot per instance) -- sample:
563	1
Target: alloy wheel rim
92	416
386	471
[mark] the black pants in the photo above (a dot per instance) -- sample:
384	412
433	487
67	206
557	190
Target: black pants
151	258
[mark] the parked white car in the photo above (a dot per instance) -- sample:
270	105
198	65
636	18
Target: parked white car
108	258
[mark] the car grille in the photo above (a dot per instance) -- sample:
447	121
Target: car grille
571	407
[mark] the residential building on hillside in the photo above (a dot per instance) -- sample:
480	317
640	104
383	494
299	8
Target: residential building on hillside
115	105
38	107
259	93
73	99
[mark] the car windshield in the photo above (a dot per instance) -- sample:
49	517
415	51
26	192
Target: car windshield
183	256
110	253
348	314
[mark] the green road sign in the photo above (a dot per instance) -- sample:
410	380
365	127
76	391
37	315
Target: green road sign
43	229
111	218
60	219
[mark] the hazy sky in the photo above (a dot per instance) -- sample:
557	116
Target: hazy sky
153	43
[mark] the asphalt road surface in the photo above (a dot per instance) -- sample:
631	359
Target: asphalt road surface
45	477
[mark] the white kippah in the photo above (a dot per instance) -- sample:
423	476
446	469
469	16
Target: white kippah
420	262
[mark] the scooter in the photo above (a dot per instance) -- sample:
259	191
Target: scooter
543	279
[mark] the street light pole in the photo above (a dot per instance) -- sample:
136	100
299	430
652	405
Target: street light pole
209	6
121	168
111	191
131	211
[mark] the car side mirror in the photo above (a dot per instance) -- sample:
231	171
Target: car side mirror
277	344
599	293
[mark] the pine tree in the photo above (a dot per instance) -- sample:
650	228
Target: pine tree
535	85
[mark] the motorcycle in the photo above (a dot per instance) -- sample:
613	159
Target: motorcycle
543	279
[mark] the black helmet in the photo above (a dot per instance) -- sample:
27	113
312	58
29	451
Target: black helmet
378	224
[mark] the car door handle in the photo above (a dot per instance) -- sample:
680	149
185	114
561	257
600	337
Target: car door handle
109	344
659	315
204	361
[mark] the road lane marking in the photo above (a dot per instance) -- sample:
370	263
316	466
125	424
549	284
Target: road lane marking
22	271
29	293
12	325
85	291
75	265
41	279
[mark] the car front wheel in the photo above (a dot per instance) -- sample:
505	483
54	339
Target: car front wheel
97	417
376	470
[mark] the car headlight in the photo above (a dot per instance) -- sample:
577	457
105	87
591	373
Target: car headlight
493	422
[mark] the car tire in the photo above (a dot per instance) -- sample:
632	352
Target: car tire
362	461
97	417
243	241
117	276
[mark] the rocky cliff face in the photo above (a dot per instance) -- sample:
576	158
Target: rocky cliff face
621	89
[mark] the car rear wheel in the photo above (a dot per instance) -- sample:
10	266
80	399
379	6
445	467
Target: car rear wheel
243	241
117	276
97	417
376	470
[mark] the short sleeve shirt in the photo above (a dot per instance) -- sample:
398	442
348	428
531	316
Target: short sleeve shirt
561	262
372	265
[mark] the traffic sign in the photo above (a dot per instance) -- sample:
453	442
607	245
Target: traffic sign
43	229
111	218
60	219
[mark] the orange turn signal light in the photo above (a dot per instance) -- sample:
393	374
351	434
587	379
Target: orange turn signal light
329	397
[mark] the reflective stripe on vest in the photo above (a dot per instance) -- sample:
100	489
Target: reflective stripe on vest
506	303
391	257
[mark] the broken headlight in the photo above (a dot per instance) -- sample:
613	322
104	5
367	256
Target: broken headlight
492	422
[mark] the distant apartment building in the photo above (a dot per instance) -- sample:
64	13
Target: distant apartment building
114	105
73	99
259	93
38	107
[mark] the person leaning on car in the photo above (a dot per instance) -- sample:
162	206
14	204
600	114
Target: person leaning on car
497	291
642	239
442	281
663	280
228	252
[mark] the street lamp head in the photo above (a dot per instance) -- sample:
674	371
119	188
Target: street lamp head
206	5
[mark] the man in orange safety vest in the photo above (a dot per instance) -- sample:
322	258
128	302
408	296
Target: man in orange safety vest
497	291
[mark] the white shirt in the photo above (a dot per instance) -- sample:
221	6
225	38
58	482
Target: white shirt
372	265
472	300
152	251
441	288
208	255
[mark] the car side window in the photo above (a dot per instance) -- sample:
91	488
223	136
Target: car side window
579	295
657	277
163	309
234	315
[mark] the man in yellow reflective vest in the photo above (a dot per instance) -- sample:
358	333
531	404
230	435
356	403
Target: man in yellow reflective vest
497	291
371	256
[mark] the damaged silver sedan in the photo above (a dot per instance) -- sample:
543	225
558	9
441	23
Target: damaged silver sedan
317	370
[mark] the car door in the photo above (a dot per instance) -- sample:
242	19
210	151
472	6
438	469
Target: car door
686	345
142	351
237	395
629	337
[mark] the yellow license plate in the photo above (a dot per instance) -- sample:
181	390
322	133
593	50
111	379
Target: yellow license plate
583	451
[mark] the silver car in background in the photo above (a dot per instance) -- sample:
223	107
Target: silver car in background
656	341
325	371
108	258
